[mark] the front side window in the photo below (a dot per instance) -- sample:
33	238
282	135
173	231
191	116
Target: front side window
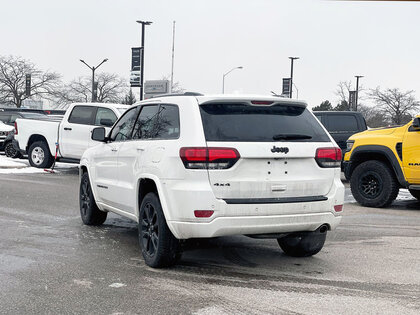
105	117
123	128
83	115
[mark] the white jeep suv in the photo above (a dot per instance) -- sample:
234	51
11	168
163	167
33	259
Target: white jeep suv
194	166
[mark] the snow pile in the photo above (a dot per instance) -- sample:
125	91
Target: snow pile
10	163
13	166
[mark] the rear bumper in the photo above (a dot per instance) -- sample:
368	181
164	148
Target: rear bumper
181	198
252	225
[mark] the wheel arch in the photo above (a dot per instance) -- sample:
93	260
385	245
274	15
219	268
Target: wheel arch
35	138
83	168
151	183
377	152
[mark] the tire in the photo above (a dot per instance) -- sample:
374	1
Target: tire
415	193
10	151
158	245
303	244
89	211
39	155
373	184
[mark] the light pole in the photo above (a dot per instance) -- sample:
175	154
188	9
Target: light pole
297	91
224	75
143	24
357	89
93	77
291	74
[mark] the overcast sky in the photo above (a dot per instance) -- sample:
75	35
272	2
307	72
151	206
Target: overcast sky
334	39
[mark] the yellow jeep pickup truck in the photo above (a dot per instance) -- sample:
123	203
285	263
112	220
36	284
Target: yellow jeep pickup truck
381	161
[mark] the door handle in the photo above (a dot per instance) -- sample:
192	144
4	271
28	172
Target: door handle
114	150
67	128
140	149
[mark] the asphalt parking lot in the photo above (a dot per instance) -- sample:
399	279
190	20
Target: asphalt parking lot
50	263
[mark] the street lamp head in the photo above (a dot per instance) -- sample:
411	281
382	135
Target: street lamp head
240	67
105	60
144	22
82	60
294	58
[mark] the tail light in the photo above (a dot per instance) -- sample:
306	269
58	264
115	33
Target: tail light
203	213
328	157
338	208
208	158
261	102
16	129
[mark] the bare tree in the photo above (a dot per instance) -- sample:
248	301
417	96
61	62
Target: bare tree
13	71
111	89
342	91
398	106
374	116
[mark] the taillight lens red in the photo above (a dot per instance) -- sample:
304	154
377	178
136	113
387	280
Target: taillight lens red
261	102
16	129
208	158
203	213
338	208
328	157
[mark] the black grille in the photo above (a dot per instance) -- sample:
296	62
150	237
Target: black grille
398	147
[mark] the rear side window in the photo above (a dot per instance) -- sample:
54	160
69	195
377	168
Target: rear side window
342	123
167	122
157	122
83	115
247	123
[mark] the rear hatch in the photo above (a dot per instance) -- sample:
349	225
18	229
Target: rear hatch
277	144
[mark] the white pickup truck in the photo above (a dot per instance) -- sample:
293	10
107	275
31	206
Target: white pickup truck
39	138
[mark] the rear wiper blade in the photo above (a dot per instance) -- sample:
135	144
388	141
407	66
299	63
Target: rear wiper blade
288	136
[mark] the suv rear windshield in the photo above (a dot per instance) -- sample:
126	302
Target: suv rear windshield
246	123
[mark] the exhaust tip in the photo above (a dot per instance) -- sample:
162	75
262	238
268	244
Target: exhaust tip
323	229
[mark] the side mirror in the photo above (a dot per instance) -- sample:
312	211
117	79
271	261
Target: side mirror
106	122
98	134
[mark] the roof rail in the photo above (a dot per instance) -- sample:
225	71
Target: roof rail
177	94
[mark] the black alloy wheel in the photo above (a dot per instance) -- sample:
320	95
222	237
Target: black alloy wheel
149	230
10	151
89	211
370	185
373	184
85	192
159	247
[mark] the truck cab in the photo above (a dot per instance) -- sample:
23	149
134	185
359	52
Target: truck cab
64	140
381	161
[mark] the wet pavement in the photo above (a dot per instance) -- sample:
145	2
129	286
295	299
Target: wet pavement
52	264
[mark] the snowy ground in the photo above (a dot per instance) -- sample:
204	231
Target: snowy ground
21	166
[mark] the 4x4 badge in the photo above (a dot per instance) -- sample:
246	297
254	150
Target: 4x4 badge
284	150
